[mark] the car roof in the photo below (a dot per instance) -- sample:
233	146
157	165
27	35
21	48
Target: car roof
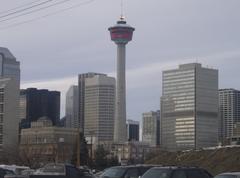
175	167
231	173
133	166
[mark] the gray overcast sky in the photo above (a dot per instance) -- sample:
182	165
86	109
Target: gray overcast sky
53	50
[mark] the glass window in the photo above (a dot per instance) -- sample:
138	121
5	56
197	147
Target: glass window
72	172
8	172
179	174
56	168
226	176
157	173
114	172
132	173
194	174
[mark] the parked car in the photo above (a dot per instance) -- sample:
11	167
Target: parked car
228	175
27	172
125	171
177	172
61	171
16	169
4	172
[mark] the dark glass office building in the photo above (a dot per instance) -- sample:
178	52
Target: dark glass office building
36	103
133	130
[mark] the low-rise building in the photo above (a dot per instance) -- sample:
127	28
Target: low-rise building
235	139
44	142
133	152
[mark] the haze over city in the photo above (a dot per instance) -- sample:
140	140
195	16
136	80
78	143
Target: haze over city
54	50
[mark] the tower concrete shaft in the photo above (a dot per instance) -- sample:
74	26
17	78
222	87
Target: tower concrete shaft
120	130
121	34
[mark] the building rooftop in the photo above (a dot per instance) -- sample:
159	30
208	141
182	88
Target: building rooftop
6	53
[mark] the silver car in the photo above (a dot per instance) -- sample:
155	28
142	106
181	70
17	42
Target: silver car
228	175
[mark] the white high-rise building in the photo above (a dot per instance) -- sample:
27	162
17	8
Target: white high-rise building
151	128
72	107
229	105
9	66
9	120
81	95
189	107
9	102
99	108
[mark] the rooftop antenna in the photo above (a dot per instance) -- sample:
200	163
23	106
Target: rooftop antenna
122	16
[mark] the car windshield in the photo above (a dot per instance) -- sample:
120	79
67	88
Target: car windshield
114	173
9	172
54	168
157	173
225	176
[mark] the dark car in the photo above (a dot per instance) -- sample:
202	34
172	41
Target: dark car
4	172
177	172
228	175
125	171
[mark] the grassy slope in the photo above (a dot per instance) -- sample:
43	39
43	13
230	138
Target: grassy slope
215	161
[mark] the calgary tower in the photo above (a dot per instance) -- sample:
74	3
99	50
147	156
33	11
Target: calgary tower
121	34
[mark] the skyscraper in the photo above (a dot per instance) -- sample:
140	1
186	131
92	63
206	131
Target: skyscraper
189	103
9	97
99	108
132	130
72	100
151	128
36	103
9	66
81	95
229	105
121	34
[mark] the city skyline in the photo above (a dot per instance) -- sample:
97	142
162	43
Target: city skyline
181	33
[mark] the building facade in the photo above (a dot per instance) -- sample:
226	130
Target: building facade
9	66
44	143
133	130
81	94
99	108
229	106
189	106
130	152
151	128
72	107
35	103
9	98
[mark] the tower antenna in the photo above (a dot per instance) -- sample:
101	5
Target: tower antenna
122	16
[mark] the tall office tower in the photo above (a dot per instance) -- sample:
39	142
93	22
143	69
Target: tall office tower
151	128
9	97
9	120
36	103
9	66
189	103
72	107
229	105
81	95
132	130
99	108
121	34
